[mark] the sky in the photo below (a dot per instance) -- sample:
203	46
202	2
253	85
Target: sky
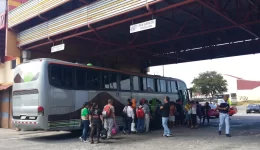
246	67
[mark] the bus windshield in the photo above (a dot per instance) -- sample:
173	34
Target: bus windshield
27	72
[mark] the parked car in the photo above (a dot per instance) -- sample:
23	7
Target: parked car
232	110
253	108
213	112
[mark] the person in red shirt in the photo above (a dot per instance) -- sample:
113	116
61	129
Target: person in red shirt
172	114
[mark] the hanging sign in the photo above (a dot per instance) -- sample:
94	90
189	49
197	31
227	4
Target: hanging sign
143	26
57	48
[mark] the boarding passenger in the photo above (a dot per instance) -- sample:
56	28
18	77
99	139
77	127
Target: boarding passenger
193	114
206	110
96	121
172	114
85	122
188	113
199	111
140	118
147	111
109	117
224	116
165	117
130	116
180	113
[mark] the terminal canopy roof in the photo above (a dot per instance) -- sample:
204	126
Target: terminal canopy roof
186	30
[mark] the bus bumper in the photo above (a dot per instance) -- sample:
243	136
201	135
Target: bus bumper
28	125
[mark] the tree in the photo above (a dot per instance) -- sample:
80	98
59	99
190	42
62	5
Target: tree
210	83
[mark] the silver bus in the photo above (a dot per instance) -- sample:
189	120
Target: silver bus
48	94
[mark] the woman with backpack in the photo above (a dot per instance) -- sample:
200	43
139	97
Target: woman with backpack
140	119
96	121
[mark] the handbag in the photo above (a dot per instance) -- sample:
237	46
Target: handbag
115	129
103	133
133	127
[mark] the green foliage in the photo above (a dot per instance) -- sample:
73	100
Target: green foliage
210	83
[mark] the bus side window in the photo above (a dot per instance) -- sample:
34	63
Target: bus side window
81	78
163	86
67	77
125	82
158	85
55	76
169	89
174	87
136	83
144	85
150	84
93	79
109	80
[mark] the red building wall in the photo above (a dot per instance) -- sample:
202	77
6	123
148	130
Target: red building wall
15	3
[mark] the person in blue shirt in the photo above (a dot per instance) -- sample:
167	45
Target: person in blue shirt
224	116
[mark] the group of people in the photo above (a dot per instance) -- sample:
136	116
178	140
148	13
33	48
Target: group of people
140	115
149	115
94	119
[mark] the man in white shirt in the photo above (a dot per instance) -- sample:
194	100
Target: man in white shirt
193	114
130	116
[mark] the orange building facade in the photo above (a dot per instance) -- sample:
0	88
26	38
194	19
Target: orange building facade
9	58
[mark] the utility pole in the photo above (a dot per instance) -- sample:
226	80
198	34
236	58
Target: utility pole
163	70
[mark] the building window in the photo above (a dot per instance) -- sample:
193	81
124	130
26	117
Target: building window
125	82
13	64
163	86
150	85
136	83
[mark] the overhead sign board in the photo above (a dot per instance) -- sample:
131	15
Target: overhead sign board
143	26
57	48
2	20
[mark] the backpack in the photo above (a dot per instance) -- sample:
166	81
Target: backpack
140	113
124	113
106	111
103	134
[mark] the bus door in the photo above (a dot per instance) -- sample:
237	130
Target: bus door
189	94
182	96
185	95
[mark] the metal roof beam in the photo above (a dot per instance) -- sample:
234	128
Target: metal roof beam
227	18
179	37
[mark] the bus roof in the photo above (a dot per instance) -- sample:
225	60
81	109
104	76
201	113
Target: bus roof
56	61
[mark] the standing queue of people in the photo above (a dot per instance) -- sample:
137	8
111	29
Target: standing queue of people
138	118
